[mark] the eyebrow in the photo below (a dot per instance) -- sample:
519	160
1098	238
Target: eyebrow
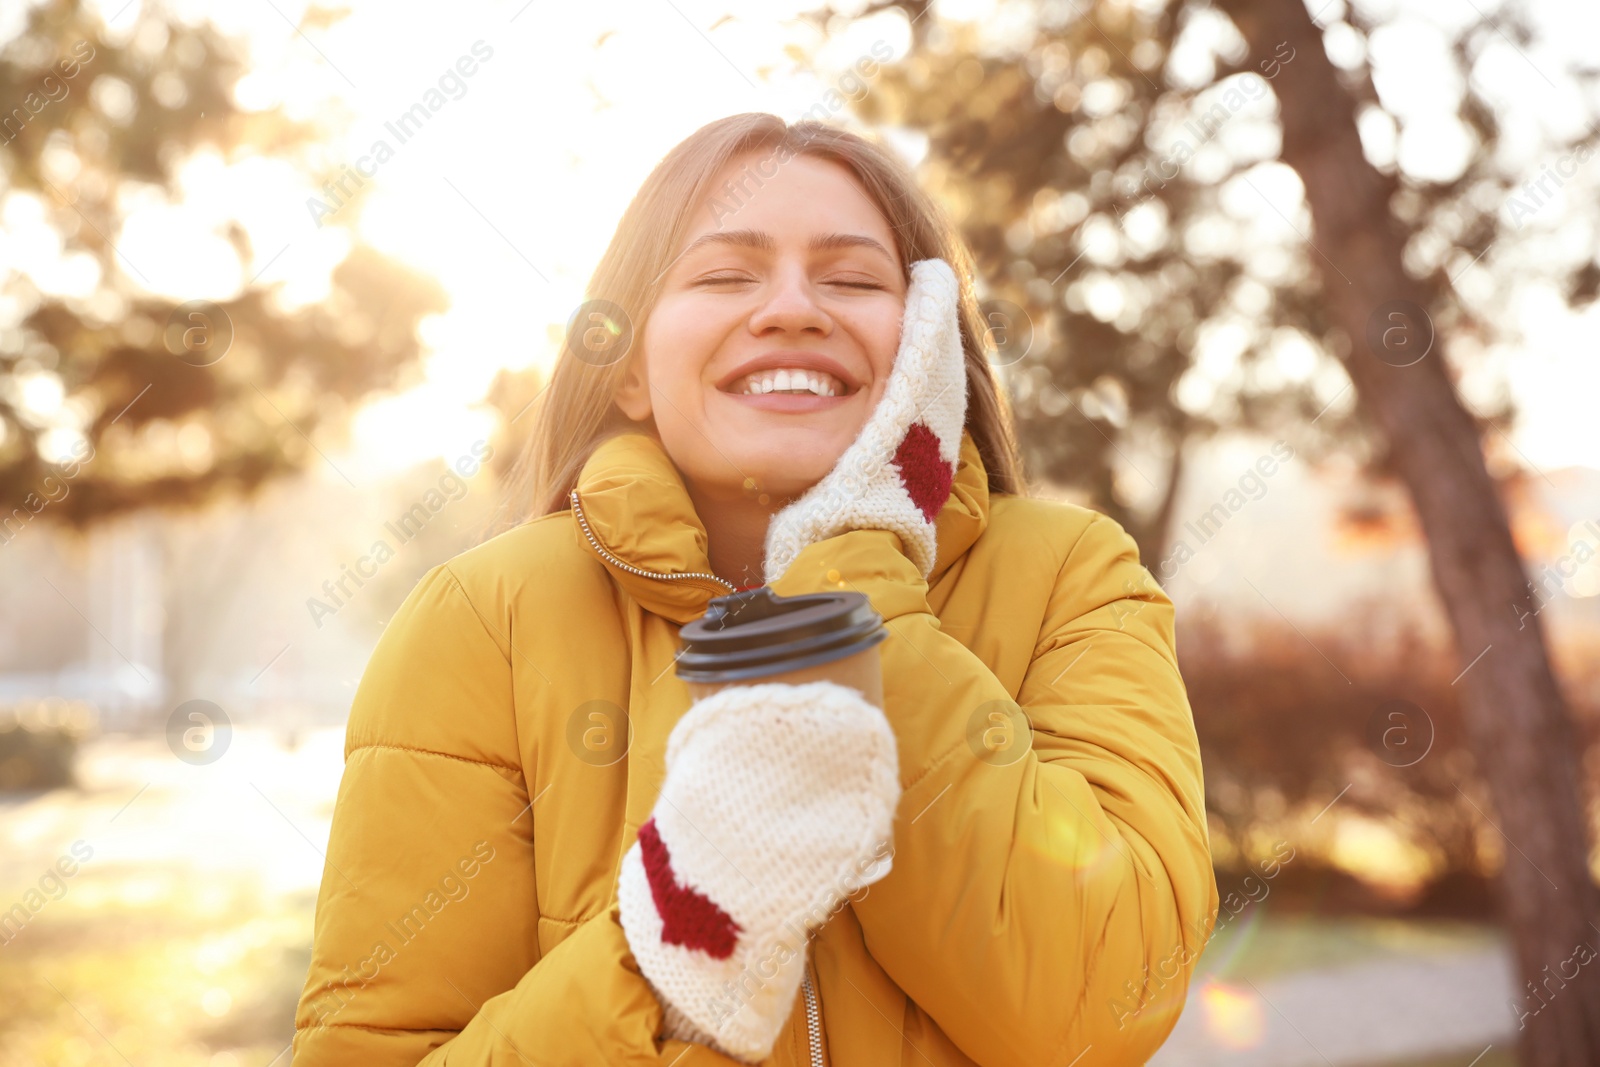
761	240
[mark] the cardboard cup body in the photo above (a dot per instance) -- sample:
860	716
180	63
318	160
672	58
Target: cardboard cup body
860	671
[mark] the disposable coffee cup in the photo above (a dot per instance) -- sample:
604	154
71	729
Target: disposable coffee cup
757	636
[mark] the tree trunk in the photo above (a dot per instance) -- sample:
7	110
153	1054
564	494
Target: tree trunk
1156	534
1517	723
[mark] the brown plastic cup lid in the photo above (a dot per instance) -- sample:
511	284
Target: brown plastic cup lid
757	632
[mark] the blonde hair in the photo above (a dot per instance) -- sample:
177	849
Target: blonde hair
575	412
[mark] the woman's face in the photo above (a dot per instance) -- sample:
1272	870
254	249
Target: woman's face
796	271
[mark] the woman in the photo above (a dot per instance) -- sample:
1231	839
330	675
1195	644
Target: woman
805	402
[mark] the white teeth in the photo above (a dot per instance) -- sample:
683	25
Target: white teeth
786	378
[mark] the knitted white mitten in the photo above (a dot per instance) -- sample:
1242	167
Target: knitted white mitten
896	475
778	803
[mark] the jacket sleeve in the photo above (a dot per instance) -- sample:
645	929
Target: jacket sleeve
1052	884
426	948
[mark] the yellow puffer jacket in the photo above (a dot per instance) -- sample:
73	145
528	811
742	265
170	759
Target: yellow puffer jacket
1050	890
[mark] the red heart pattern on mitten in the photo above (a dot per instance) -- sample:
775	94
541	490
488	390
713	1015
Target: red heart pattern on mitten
896	475
777	805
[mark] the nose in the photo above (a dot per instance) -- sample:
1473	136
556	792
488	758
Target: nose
790	306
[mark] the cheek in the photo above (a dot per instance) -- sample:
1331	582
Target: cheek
877	331
681	338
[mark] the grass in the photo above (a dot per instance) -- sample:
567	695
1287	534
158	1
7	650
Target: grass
183	938
212	982
1260	944
163	984
184	941
1494	1057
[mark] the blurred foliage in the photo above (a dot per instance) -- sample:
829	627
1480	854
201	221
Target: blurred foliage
1099	184
97	119
39	741
1283	732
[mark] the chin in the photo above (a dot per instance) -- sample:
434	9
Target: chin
779	454
784	475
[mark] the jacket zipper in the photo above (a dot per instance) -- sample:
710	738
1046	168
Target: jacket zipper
813	1014
813	1020
609	557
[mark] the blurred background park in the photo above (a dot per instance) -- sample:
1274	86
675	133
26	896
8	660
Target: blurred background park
1302	292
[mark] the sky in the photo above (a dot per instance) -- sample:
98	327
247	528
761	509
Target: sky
509	193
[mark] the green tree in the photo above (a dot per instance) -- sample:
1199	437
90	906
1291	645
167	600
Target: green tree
1089	182
126	398
1060	151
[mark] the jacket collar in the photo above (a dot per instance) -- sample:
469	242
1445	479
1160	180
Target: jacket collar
635	515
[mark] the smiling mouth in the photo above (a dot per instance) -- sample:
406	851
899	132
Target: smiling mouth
788	381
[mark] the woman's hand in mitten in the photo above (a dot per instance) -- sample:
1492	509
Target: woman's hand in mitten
897	473
778	803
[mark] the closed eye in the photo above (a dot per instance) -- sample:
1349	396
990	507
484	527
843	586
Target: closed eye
730	279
